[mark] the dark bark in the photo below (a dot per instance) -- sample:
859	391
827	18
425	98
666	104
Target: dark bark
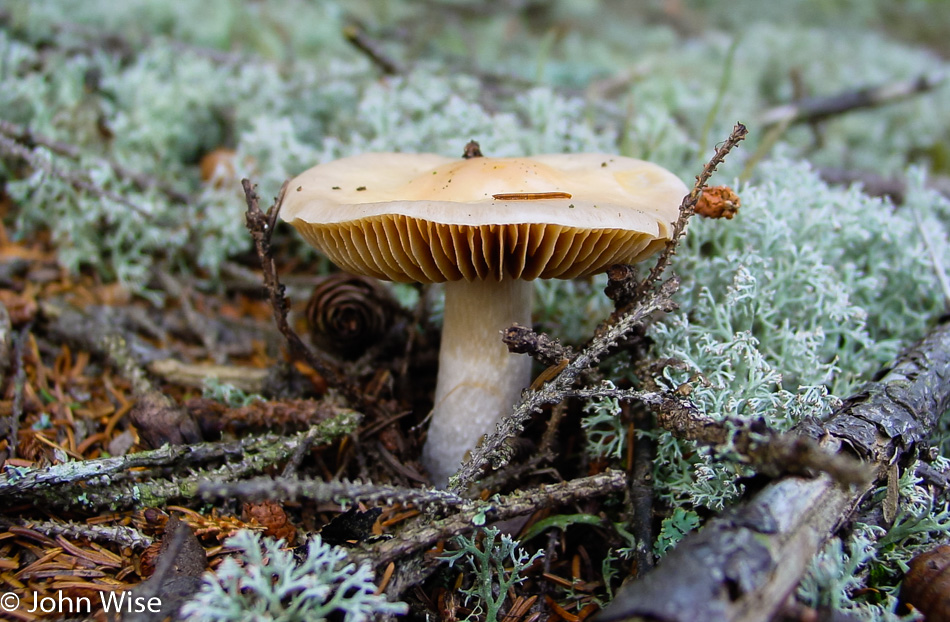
641	493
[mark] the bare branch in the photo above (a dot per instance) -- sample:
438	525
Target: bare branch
122	535
494	450
26	482
11	147
422	535
814	109
286	488
361	41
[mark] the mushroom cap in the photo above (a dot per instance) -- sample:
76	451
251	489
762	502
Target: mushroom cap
427	218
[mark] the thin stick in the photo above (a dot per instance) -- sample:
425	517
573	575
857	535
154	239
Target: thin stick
122	535
641	490
494	450
32	482
359	40
424	534
140	180
19	385
687	208
262	226
291	488
936	261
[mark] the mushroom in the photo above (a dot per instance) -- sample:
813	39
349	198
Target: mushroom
486	227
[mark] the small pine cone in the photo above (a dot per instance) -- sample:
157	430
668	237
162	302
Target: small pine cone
347	314
926	585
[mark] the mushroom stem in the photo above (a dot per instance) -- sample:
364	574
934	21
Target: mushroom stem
479	380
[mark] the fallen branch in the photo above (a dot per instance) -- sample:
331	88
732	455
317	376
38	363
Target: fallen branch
122	535
494	449
19	385
247	379
362	42
813	109
876	185
345	492
745	564
151	490
686	211
461	515
12	148
27	483
640	513
422	535
542	348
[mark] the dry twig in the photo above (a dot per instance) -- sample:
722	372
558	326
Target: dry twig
815	109
288	488
121	535
12	148
424	534
27	484
262	225
687	208
373	51
494	449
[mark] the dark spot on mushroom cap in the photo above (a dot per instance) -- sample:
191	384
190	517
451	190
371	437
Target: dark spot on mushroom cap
299	188
361	188
335	188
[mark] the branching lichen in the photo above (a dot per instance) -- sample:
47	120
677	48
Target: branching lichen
265	581
496	567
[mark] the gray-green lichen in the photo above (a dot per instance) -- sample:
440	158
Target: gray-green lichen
265	580
784	310
180	81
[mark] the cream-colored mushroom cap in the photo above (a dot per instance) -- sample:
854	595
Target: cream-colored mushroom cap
428	218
